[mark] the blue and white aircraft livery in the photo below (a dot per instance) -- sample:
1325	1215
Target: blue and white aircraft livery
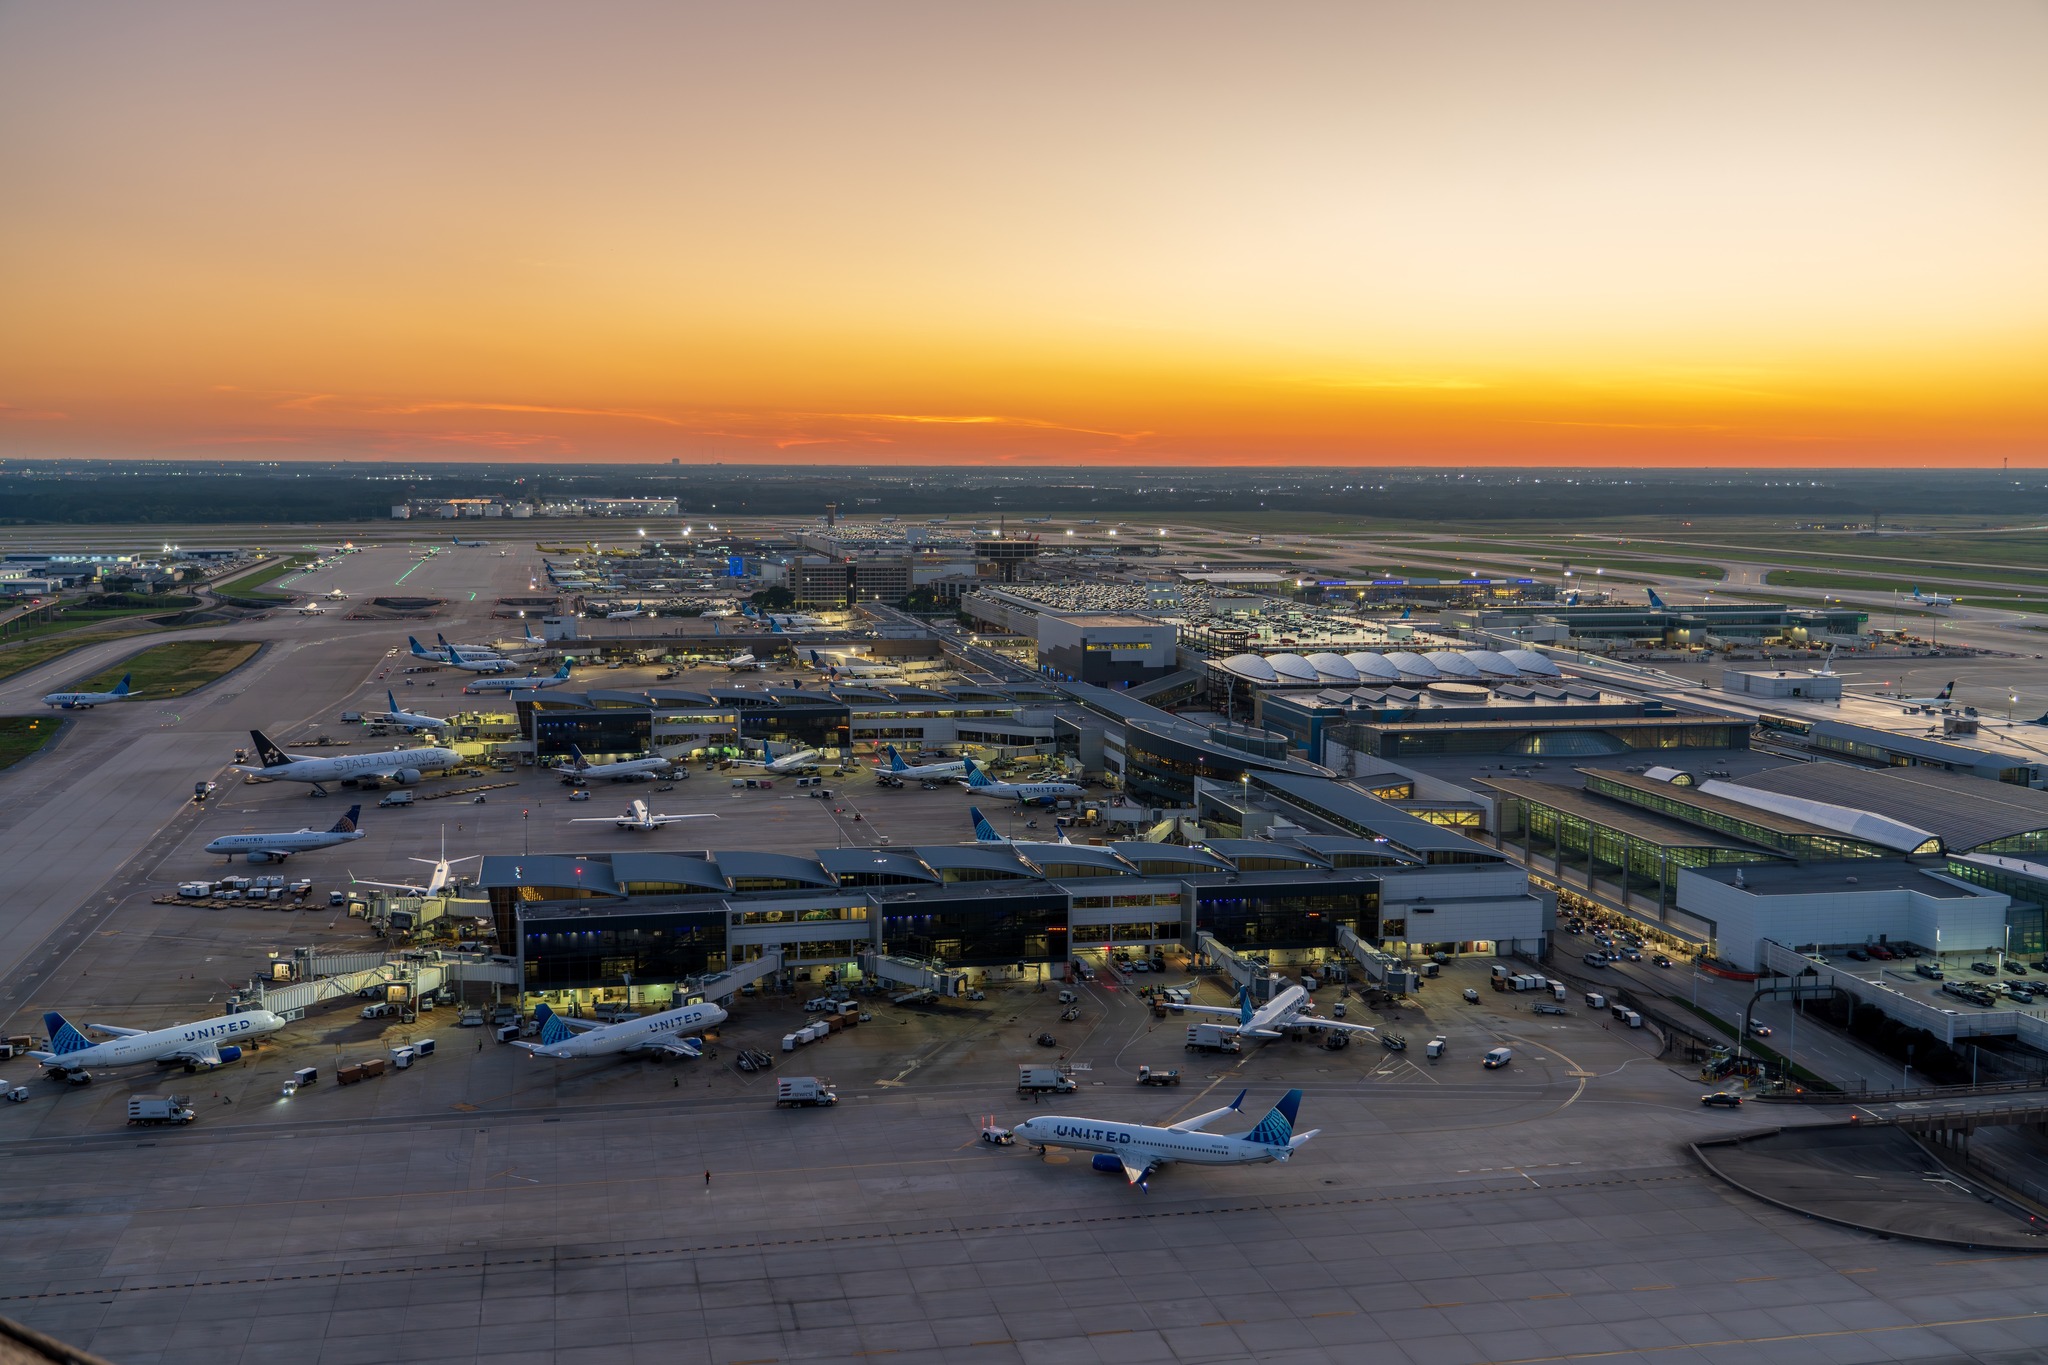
567	1039
979	783
1288	1009
210	1042
528	684
579	766
403	766
85	701
1139	1149
454	660
952	767
275	848
986	833
411	720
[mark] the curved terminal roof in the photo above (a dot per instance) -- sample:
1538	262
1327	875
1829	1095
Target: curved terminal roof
1162	860
875	862
1453	664
1531	663
1240	852
1333	668
1413	666
1867	826
1491	664
750	865
675	869
1293	668
1677	777
1251	666
1052	859
1372	667
1969	813
997	858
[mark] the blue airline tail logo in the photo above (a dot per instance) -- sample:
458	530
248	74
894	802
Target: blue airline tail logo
896	763
392	697
63	1037
975	776
1655	600
552	1028
984	832
1244	1006
419	650
1277	1128
121	687
347	823
267	752
576	759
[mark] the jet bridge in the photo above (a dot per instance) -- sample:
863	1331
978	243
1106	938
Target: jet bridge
1249	975
1384	968
912	973
338	975
729	983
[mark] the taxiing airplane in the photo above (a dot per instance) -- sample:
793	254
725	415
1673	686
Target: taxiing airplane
205	1043
1290	1008
582	768
1941	698
1827	667
527	641
439	880
85	701
336	595
531	683
624	615
1931	599
979	783
275	848
411	720
465	651
1139	1149
638	817
952	767
469	544
454	660
310	609
403	766
567	1039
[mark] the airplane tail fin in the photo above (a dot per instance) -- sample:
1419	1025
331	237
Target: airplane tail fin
267	752
1655	600
552	1027
1244	1006
576	759
1947	692
984	832
1406	612
121	687
1277	1128
347	823
563	671
64	1036
2042	719
419	650
896	763
975	777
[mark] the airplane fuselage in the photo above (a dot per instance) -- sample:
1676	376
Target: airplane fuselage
168	1042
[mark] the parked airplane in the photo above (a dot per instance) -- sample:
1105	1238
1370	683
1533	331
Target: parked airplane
403	766
979	783
527	641
744	662
439	880
1827	668
1290	1008
465	651
1931	599
582	768
202	1044
453	659
796	760
637	817
275	848
565	1039
469	544
1941	698
531	683
85	701
1655	600
1139	1149
411	720
952	767
985	833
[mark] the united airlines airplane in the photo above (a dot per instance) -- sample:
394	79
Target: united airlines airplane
1138	1149
208	1043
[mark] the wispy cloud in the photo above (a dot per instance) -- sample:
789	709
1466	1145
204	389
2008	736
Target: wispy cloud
11	413
462	405
1422	382
978	420
1627	426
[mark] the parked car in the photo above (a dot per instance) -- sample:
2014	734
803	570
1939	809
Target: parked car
1882	953
1983	969
1857	955
1722	1099
2014	968
1549	1007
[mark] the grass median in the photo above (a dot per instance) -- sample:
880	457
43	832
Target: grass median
174	668
23	736
252	585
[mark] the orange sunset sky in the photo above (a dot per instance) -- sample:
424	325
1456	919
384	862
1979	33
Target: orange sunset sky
1606	232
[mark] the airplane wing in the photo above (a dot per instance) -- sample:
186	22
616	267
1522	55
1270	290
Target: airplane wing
389	886
671	819
1206	1009
601	819
1139	1165
1310	1021
1201	1121
675	1047
580	1025
200	1054
117	1032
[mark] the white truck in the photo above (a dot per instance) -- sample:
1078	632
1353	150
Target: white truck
1213	1038
804	1091
156	1109
1044	1080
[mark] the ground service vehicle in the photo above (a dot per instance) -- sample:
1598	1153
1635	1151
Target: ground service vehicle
804	1091
1158	1076
1044	1080
1213	1038
159	1109
1497	1057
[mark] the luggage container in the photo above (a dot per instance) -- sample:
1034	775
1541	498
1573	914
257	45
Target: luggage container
789	1042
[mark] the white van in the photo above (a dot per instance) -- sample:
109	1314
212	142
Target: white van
397	798
1595	1000
1498	1057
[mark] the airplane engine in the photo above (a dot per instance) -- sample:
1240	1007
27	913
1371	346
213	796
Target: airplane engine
1107	1163
230	1054
258	856
405	777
